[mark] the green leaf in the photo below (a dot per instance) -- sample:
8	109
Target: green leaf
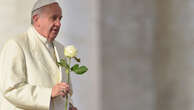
63	63
81	70
76	66
59	64
77	59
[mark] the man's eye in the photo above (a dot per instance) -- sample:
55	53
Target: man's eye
54	17
60	18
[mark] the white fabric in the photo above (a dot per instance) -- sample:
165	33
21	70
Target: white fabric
48	44
28	73
42	3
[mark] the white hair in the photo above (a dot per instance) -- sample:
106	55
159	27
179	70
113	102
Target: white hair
35	12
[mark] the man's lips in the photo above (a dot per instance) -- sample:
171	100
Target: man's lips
55	30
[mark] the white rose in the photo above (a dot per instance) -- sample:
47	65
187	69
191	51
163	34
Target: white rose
70	51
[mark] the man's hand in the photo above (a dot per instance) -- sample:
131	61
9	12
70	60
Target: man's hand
60	89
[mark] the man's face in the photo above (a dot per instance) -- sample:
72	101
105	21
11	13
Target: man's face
49	21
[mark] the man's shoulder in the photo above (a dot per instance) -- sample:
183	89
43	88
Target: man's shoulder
19	40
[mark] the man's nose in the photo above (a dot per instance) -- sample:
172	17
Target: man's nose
58	23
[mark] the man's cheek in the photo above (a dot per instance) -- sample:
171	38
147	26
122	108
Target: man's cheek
50	28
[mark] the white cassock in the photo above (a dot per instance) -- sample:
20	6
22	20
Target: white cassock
28	71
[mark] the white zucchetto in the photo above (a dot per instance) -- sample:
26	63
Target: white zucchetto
41	3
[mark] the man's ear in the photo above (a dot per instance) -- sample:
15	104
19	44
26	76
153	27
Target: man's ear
35	19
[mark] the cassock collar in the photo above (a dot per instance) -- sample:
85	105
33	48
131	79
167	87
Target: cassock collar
42	38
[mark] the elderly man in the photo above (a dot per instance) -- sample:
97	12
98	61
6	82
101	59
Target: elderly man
30	77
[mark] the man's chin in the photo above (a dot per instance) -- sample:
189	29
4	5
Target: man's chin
50	39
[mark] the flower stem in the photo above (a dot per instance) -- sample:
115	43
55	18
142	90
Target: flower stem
68	80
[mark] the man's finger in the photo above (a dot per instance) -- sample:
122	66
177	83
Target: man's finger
63	83
62	93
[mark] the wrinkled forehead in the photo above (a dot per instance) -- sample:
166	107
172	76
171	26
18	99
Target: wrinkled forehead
52	8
